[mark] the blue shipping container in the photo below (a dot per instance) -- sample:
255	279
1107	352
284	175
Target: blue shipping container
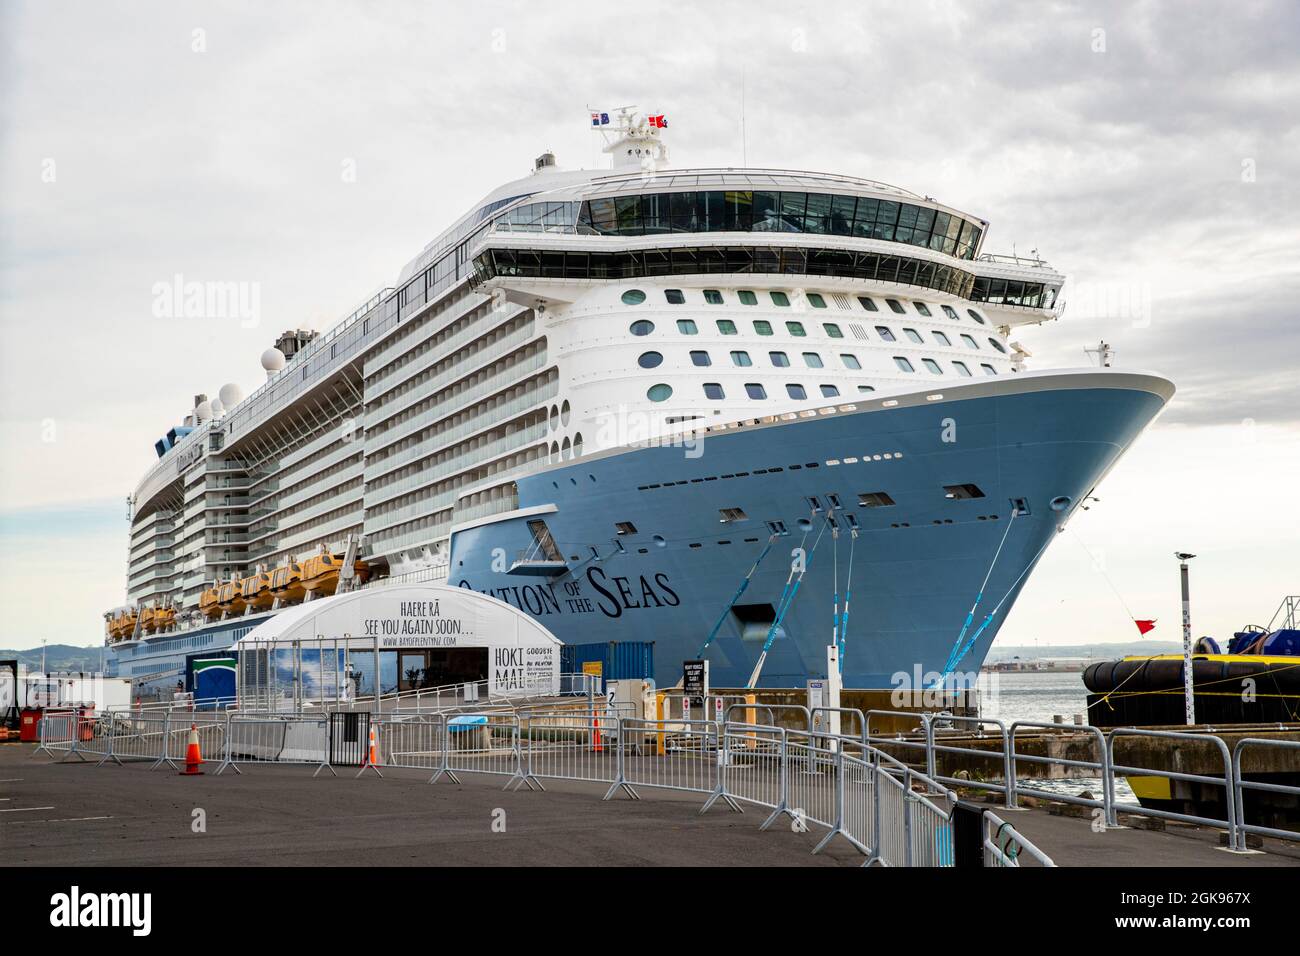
617	660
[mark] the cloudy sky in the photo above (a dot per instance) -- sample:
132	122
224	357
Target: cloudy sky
1151	151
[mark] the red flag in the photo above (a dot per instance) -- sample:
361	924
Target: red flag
1144	626
659	121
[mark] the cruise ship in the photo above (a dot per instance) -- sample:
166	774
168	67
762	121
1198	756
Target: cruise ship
743	413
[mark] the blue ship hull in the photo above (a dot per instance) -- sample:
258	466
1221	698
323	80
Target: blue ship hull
1037	442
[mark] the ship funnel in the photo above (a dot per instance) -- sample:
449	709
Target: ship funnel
544	161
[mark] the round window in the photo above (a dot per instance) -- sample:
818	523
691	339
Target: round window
650	360
642	327
659	393
564	413
633	297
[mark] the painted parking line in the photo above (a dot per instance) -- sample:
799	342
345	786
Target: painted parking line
25	809
11	780
61	820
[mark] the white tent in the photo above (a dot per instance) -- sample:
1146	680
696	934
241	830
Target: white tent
426	622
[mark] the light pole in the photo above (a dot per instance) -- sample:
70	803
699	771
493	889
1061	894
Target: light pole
1189	697
43	671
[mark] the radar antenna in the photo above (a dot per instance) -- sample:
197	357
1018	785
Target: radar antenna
1104	353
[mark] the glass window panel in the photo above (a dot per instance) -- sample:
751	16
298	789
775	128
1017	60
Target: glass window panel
812	360
794	261
629	215
654	213
763	327
795	391
727	327
741	359
842	212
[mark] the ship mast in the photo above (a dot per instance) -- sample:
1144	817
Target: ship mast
633	138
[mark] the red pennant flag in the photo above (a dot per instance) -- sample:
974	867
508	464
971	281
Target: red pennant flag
1144	626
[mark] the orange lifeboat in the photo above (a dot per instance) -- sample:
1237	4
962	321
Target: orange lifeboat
320	572
256	589
147	622
286	583
163	618
126	625
230	596
210	601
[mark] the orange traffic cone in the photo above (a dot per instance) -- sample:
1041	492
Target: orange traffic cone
370	760
599	747
192	756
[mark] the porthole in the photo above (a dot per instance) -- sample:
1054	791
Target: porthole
633	297
659	393
641	327
1060	503
659	541
565	413
650	360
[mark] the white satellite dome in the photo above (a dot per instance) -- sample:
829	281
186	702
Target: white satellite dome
273	360
202	411
218	407
231	394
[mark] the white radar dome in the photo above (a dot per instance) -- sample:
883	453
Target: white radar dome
202	411
231	394
218	408
273	360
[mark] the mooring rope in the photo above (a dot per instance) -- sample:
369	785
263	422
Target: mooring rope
988	618
799	568
736	597
970	615
848	588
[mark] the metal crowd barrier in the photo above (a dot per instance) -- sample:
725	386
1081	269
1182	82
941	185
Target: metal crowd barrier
1101	766
1226	781
57	732
1004	846
891	813
1243	785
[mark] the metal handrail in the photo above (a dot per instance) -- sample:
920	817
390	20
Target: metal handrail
998	852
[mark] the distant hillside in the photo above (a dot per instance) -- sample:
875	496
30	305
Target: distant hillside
61	657
1098	651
